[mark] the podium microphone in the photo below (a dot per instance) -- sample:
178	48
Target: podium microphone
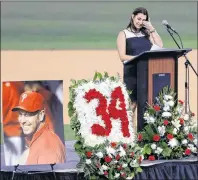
165	23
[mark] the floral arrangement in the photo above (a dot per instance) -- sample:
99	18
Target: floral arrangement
101	118
169	133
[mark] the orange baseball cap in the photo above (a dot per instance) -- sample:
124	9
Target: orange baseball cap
30	101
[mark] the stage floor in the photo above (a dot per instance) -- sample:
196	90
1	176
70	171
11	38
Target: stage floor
72	160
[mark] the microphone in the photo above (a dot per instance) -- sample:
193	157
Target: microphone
165	23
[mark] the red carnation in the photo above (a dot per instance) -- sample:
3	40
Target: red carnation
117	157
140	159
190	136
156	137
113	144
187	151
108	159
170	136
119	168
105	173
132	154
89	154
124	146
181	121
192	114
181	102
123	174
156	108
166	122
151	158
140	137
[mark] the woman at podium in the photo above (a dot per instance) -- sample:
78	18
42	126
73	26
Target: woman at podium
137	37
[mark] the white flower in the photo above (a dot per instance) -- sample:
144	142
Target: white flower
195	141
110	150
117	175
179	110
153	146
176	123
122	152
104	167
129	177
124	165
166	114
186	129
166	108
99	154
173	142
161	130
159	150
171	103
168	97
184	141
192	148
88	161
151	119
186	117
174	131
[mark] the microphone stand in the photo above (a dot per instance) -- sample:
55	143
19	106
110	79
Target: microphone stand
187	77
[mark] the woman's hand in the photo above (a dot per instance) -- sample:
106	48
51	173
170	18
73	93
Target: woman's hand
148	25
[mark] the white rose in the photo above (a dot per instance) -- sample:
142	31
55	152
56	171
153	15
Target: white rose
152	119
166	108
153	146
173	143
171	103
174	131
159	150
122	152
186	129
99	154
184	141
166	114
124	165
186	117
176	123
110	150
88	161
161	130
117	175
195	141
104	167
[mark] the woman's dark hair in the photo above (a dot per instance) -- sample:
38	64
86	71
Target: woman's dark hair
135	12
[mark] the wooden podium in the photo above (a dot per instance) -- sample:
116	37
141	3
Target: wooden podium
155	70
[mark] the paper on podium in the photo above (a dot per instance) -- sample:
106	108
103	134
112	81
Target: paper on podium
155	47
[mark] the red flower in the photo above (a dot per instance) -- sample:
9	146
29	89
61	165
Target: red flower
151	158
105	173
132	154
117	157
192	114
170	136
113	144
108	159
156	137
181	121
166	122
123	174
156	108
190	136
140	137
124	146
89	154
181	102
140	159
187	151
119	168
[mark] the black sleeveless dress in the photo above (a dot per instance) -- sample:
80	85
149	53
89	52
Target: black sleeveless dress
136	43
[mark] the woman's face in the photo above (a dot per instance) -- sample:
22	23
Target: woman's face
138	20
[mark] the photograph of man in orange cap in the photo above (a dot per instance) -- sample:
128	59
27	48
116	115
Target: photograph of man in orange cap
43	146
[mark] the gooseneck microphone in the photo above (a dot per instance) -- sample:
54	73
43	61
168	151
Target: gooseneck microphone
165	23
